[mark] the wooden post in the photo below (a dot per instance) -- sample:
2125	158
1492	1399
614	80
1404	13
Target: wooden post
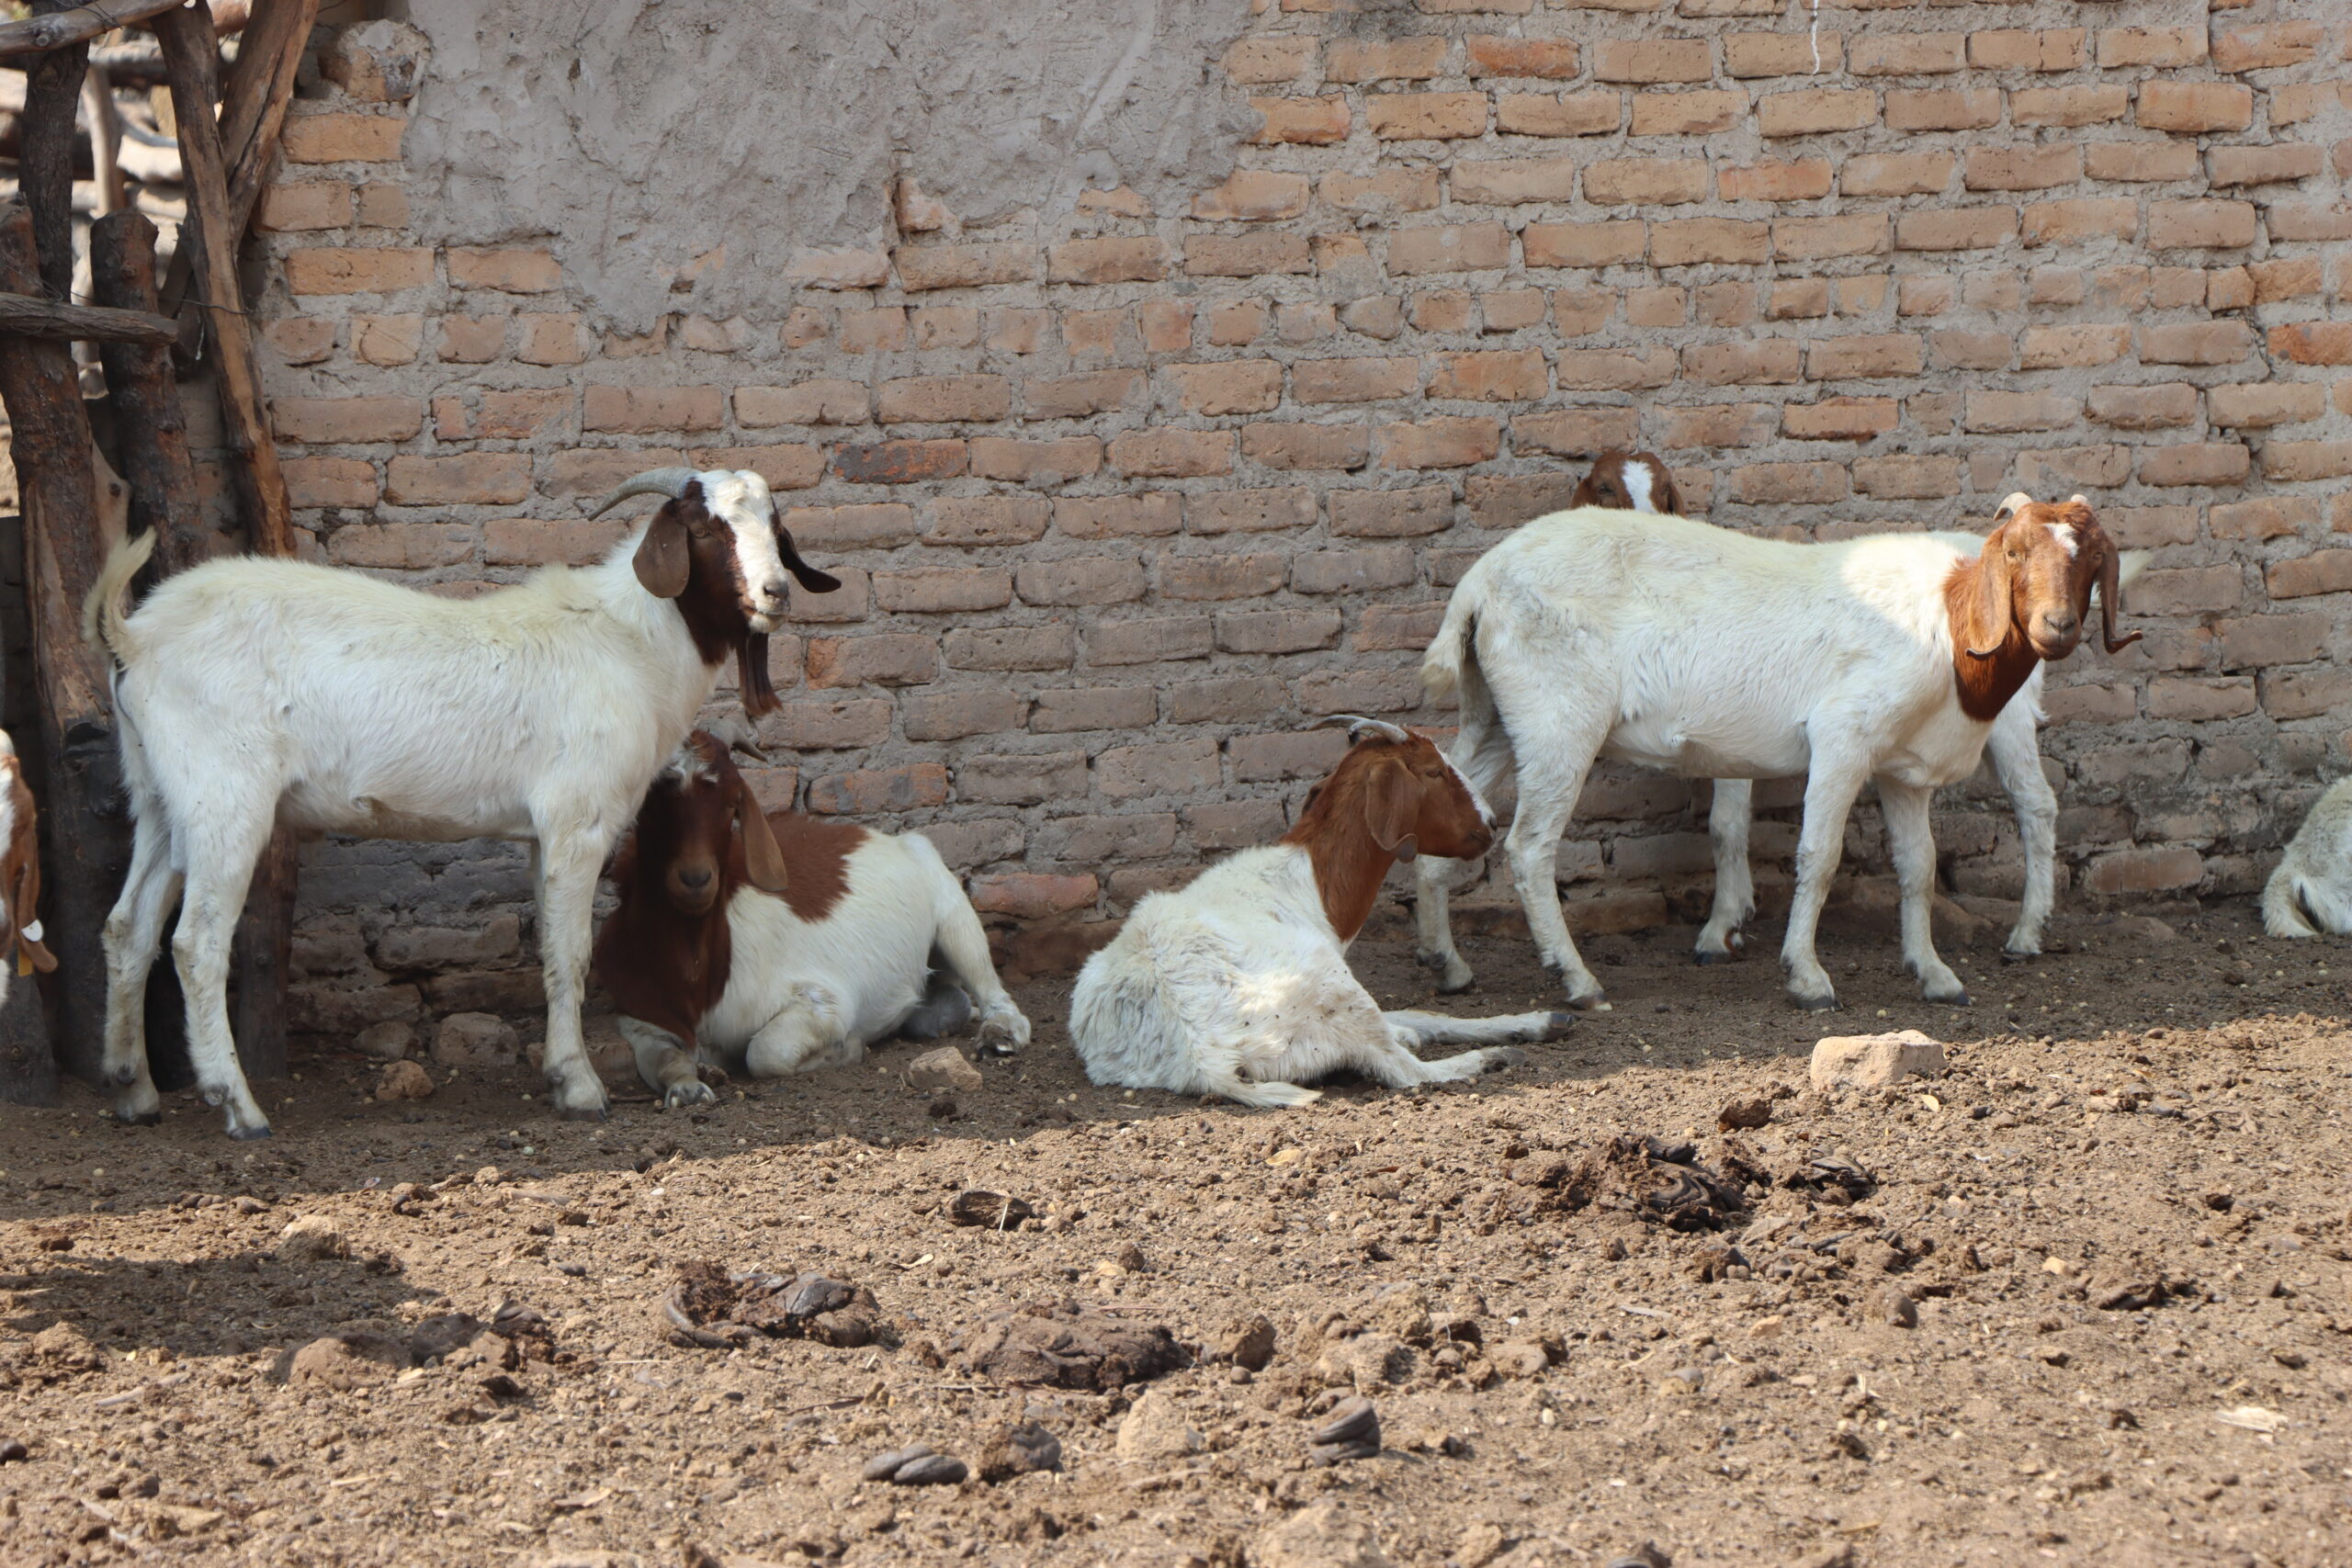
86	849
45	175
265	943
151	428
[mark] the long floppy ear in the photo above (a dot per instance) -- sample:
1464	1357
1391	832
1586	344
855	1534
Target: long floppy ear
1673	496
752	675
763	859
665	556
1392	798
808	576
24	913
1987	624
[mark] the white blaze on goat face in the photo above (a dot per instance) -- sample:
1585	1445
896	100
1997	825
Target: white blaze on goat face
1638	487
742	498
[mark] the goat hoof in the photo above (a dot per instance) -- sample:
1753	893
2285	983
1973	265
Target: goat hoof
1958	999
2009	957
1557	1024
1701	956
1500	1057
139	1118
583	1114
246	1134
685	1095
1823	1003
1596	1002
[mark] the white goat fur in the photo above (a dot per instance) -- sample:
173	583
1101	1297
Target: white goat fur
251	691
1237	986
2311	893
1708	653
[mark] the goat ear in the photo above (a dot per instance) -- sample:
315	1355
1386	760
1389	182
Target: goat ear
808	576
752	675
1392	798
1987	624
1673	497
665	556
763	858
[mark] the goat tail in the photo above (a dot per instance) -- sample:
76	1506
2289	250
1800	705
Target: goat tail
106	614
1452	661
2286	911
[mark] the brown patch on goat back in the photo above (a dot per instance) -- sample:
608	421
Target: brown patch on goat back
816	861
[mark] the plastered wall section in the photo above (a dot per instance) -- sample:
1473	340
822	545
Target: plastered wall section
1125	505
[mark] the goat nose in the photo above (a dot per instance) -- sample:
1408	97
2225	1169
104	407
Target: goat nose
694	876
774	588
2062	624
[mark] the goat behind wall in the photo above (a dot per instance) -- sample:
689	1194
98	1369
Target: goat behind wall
2311	893
1709	653
777	944
253	693
1239	986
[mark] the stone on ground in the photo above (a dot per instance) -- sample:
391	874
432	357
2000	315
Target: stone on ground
403	1080
944	1068
1874	1061
1326	1535
476	1040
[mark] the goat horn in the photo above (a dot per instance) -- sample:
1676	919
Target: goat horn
737	735
2017	502
670	482
1358	724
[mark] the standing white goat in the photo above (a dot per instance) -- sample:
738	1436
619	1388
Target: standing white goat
1709	653
2311	893
253	693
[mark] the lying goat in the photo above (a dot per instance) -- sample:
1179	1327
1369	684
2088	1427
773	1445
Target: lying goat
1239	983
778	942
254	693
20	949
2311	893
1709	653
1629	481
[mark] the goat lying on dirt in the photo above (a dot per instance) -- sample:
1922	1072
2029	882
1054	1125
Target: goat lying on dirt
1709	654
2311	893
780	944
1239	983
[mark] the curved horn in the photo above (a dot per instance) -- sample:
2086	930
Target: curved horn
2017	502
670	482
737	735
1357	724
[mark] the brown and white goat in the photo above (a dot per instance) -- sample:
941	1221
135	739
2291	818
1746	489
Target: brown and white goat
777	944
21	952
1629	481
1239	983
1713	654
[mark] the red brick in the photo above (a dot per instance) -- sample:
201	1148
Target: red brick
2312	342
1249	510
1439	443
330	481
1313	122
1239	385
1325	446
2322	572
1943	108
1354	380
900	462
1383	193
830	528
940	400
1956	348
2024	49
1397	627
988	520
1220	575
1649	181
1511	183
1030	896
1022	780
1908	478
1409	58
1460	248
1262	759
472	478
2005	413
510	271
1838	419
1081	579
2264	517
2140	160
1748	55
926	267
2143	871
1421	117
1036	462
1153	512
2308	221
1276	631
387	270
2212	463
2267	404
301	340
2023	168
882	791
1183	767
2193	107
1492	376
1773	484
1756	362
2144	408
321	421
1360	690
2051	348
1615	370
2089	218
1246	255
1907	54
343	138
594	471
1867	357
1687	114
2068	105
1814	111
1492	56
887	660
1652	60
1683	241
2074	468
521	541
1172	454
1075	396
2191	591
1961	228
2290	462
307	204
1247	196
394	340
1583	244
1391	513
2121	48
1352	572
1049	646
941	589
1262	59
399	547
1575	433
2304	693
2278	163
1112	260
1804	179
2207	224
1813	239
1725	424
1595	112
1152	641
2196	343
2262	48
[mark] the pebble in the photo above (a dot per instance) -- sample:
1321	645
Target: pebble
944	1068
13	1451
1873	1061
476	1040
387	1042
1649	1555
1020	1448
1326	1535
883	1466
932	1470
1756	1111
403	1080
1481	1543
1155	1429
1895	1307
309	1239
1247	1340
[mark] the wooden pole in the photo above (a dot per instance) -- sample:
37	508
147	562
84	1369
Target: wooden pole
57	27
265	943
106	140
253	111
45	173
34	315
86	849
151	427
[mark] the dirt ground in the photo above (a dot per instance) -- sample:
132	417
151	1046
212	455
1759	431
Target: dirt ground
2115	1236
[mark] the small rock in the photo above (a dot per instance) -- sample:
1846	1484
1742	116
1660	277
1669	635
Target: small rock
1130	1258
249	1205
348	1360
387	1042
1326	1535
1367	1360
1873	1061
12	1451
2052	1355
1520	1358
1247	1340
1353	1432
1019	1448
476	1040
1767	1327
1896	1308
944	1068
932	1470
1480	1545
1154	1430
883	1466
403	1080
310	1239
1755	1110
1649	1555
977	1206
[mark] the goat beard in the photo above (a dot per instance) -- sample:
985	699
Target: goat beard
752	675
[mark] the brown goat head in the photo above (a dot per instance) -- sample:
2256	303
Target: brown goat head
1392	797
701	831
2028	596
1629	481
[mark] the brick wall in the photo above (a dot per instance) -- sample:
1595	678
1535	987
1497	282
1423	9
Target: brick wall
1122	502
